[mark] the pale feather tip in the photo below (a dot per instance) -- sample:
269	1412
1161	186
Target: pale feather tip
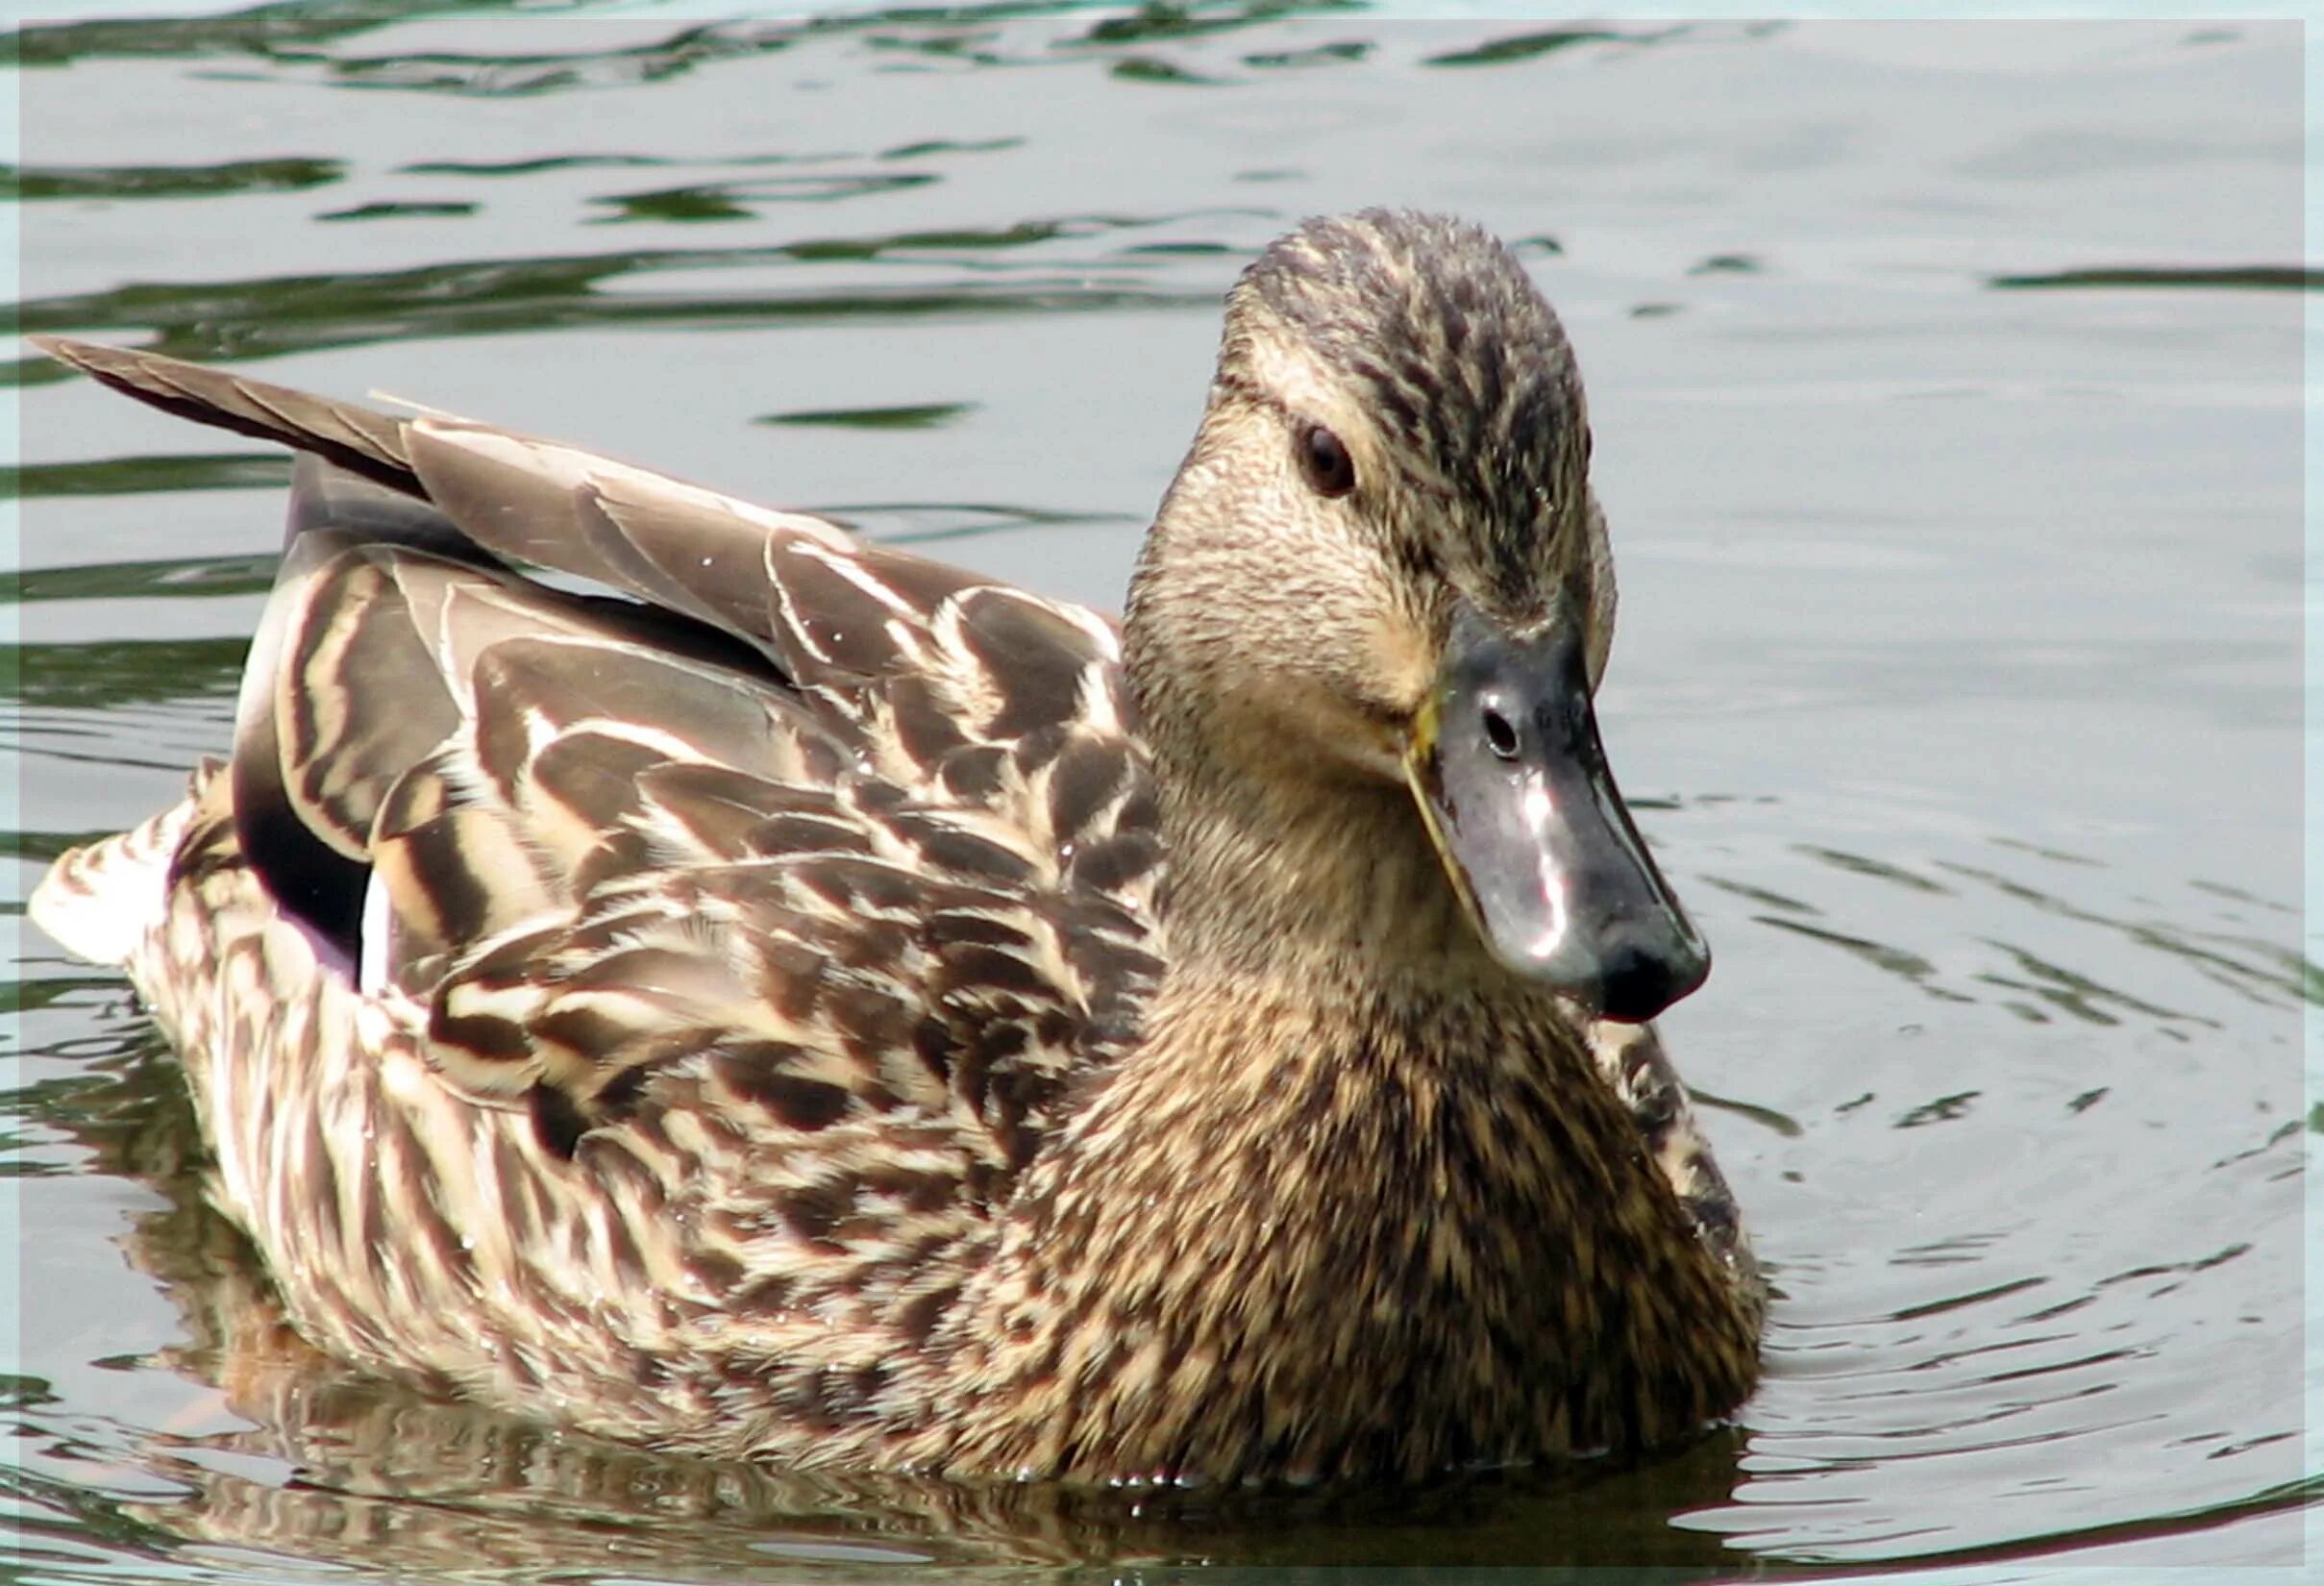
101	902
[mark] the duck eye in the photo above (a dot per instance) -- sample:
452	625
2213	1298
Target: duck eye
1325	461
1500	736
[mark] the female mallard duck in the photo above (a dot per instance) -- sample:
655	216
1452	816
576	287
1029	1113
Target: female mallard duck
746	1013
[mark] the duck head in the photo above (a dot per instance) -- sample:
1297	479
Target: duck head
1381	565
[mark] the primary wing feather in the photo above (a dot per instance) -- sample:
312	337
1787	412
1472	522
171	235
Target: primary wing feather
801	836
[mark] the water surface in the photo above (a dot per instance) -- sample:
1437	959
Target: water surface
1947	383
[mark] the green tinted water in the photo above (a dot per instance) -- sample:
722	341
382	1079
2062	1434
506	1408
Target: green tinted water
1947	390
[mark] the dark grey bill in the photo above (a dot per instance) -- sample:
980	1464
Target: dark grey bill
1508	768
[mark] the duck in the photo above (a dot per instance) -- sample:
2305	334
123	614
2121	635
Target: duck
674	969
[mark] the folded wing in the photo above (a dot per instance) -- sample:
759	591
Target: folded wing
830	828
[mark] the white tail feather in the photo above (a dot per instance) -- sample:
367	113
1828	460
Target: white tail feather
102	902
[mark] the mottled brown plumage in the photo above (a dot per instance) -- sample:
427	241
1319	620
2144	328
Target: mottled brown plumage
818	1004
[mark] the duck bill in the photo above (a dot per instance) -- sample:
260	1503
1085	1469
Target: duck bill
1506	766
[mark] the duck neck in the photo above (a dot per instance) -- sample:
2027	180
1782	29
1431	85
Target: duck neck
1306	877
1358	1203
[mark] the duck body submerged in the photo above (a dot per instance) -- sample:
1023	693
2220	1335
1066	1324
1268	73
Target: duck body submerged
815	1003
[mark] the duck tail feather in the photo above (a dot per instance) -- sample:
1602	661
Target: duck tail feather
104	900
